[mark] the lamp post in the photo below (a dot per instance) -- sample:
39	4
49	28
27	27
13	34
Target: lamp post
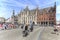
24	20
13	18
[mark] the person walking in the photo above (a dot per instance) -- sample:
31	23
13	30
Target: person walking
1	26
25	32
31	26
22	26
4	26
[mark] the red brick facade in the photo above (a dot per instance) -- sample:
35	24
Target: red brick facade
47	16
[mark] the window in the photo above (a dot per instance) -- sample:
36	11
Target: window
49	18
52	18
44	18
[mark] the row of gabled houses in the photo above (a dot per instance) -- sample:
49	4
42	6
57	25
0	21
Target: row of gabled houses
46	16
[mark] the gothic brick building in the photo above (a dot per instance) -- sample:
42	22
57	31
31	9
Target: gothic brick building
46	16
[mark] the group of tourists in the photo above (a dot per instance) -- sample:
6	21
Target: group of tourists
6	25
24	26
27	29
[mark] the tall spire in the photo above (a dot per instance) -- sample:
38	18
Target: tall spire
55	5
26	8
37	7
13	12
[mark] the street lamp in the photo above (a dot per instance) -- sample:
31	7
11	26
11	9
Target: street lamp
24	20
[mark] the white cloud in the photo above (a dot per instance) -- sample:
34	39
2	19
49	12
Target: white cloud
57	0
4	9
57	17
46	2
58	9
4	12
16	3
58	13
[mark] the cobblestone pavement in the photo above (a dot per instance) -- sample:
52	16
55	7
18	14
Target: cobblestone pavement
16	34
49	34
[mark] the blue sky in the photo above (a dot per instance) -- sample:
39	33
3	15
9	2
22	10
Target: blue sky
6	6
58	10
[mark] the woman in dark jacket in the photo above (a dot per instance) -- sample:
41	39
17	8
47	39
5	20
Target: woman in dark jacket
26	27
25	32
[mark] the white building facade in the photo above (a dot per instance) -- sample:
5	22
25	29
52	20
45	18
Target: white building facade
2	19
27	16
